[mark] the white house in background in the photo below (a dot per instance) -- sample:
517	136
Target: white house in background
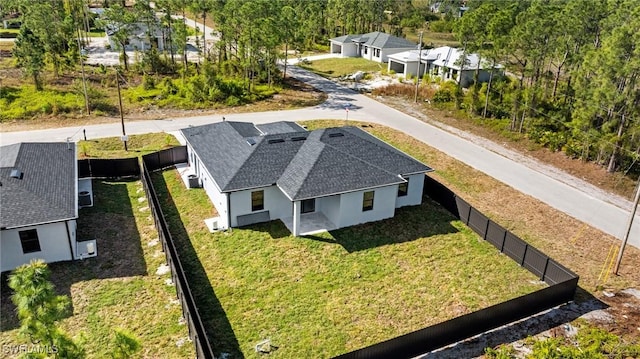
444	62
140	38
312	181
39	204
374	46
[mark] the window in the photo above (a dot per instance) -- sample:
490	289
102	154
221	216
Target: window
309	205
365	49
403	189
29	241
257	201
377	52
367	201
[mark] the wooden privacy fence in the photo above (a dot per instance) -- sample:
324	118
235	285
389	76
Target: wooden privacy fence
562	287
197	331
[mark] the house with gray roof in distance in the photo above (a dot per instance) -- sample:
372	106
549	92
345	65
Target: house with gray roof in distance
311	180
444	62
39	204
374	46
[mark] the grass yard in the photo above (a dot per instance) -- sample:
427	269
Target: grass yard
339	67
138	145
118	289
324	295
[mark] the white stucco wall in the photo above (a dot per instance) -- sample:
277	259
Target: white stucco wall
54	245
384	53
414	193
218	198
275	202
351	206
330	207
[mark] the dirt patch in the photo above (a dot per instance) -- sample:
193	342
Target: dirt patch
625	310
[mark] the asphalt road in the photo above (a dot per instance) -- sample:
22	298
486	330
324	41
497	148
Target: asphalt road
568	194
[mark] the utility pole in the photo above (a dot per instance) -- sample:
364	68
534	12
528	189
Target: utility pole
124	134
84	81
626	236
415	99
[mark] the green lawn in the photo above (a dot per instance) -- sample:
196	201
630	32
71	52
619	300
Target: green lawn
138	145
328	294
339	67
118	289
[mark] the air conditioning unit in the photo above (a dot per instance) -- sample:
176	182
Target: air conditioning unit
194	181
214	224
84	199
86	249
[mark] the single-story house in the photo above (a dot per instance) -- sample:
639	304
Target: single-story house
444	62
39	201
140	38
374	46
312	181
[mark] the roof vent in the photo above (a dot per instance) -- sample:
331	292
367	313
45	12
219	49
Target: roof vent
251	141
276	140
336	134
16	174
298	138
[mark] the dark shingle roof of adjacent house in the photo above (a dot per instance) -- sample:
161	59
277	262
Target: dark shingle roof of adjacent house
279	127
377	39
303	164
46	191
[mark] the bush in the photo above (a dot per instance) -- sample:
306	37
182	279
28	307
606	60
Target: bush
148	82
441	26
448	92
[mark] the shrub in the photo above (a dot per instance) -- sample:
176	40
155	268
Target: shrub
148	82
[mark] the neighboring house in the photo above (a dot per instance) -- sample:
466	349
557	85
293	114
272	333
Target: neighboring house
445	62
374	46
312	181
140	38
38	203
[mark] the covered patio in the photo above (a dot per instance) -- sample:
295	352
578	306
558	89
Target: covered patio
311	223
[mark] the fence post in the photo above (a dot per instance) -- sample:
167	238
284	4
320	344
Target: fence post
486	230
544	272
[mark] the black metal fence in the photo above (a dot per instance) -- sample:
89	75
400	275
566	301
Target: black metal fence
165	158
562	287
109	168
197	331
562	282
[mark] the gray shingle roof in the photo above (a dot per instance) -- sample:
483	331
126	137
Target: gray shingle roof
303	164
377	39
47	190
279	127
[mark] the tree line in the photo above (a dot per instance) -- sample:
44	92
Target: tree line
250	35
574	68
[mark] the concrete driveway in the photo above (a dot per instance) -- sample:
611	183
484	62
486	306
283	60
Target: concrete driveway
560	190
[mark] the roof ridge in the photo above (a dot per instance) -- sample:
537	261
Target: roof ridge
315	160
